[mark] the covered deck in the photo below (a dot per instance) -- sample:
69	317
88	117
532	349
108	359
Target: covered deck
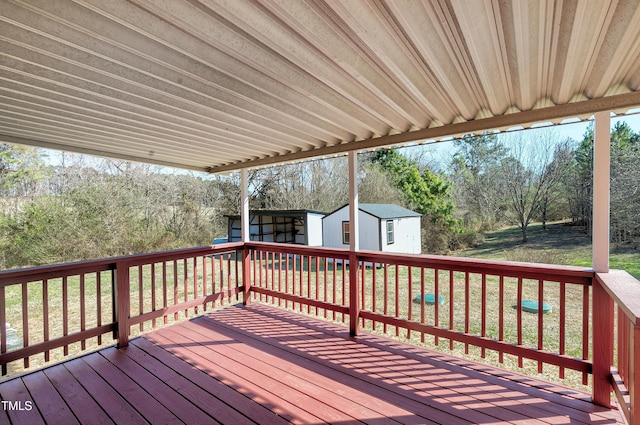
260	364
269	333
225	86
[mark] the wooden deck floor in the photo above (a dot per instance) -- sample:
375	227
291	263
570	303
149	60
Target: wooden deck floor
263	365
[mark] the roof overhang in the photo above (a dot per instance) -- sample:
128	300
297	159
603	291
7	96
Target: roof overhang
221	85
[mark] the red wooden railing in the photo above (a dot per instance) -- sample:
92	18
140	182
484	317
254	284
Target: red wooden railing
77	304
88	304
619	295
314	281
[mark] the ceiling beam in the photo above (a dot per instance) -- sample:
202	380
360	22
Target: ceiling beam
582	109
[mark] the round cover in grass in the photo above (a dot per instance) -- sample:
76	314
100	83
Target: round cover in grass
532	306
429	299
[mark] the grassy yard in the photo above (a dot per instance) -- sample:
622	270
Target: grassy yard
559	244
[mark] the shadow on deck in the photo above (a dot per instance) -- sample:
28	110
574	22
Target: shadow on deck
263	365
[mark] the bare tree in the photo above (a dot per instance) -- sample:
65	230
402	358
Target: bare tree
530	174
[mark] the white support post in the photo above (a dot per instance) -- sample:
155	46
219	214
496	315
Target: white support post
354	245
244	225
244	204
354	237
601	182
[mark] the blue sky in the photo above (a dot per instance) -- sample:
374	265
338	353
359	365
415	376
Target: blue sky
440	153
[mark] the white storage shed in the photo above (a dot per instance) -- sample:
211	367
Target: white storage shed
383	227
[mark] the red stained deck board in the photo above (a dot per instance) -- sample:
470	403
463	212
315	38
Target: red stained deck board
14	390
305	406
196	386
348	400
358	359
113	404
83	406
199	357
259	364
553	400
152	410
48	401
393	405
181	407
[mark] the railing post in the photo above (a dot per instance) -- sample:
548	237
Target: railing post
246	275
602	344
122	305
354	295
634	378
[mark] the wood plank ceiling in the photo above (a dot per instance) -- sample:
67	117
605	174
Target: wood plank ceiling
218	85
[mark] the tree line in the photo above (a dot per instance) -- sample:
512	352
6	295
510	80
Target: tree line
90	208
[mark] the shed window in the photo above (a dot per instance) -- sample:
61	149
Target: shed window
390	232
346	234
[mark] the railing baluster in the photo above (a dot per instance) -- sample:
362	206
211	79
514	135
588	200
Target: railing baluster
237	279
153	293
344	289
3	321
205	273
363	295
229	278
386	294
83	311
212	259
451	306
624	345
221	270
175	287
286	279
483	312
25	320
563	316
308	295
585	330
501	316
196	282
540	319
374	283
301	281
410	298
422	303
65	312
466	308
98	304
279	277
140	296
334	268
519	317
397	297
45	316
273	273
436	312
325	279
185	284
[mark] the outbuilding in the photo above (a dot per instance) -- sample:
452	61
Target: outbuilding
302	227
382	227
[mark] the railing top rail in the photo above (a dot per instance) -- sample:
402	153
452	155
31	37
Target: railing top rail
505	268
12	276
314	251
625	291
